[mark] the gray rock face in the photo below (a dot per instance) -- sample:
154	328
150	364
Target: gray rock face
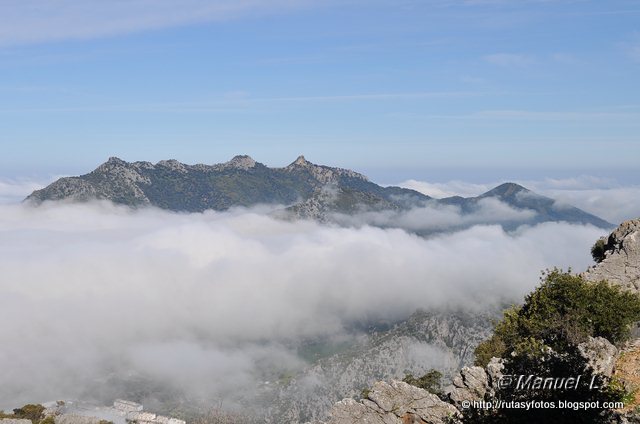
494	371
475	383
14	421
394	403
621	264
600	354
471	384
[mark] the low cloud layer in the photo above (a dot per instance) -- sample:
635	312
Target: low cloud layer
436	218
208	302
14	191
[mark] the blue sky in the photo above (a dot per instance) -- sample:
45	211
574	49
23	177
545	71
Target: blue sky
441	89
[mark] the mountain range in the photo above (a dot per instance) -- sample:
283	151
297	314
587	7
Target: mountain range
306	190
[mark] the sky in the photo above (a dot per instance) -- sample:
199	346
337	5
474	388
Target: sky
437	90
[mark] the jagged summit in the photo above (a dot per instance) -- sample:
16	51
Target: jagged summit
115	160
324	174
300	161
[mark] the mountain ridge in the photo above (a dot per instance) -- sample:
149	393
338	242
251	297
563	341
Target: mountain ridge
308	190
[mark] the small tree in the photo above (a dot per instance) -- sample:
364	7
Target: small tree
598	250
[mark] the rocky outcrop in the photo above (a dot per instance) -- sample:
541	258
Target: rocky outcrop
323	174
600	355
394	403
475	383
472	383
621	262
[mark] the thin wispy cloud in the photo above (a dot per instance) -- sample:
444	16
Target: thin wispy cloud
531	115
509	59
241	100
32	21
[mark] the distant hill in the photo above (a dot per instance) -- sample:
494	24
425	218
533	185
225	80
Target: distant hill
306	189
519	197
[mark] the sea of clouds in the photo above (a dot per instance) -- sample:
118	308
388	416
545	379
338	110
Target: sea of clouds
207	302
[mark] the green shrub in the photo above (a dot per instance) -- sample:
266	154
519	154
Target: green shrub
598	250
563	311
541	338
431	381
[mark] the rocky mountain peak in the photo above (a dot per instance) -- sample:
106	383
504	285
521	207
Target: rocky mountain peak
300	161
116	161
173	165
113	163
241	162
323	174
506	190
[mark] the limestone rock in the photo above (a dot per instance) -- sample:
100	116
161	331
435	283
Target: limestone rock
494	372
471	384
600	354
241	162
394	403
621	263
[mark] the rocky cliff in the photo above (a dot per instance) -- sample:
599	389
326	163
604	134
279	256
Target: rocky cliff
621	257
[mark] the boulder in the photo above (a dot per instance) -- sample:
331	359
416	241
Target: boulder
471	384
600	354
394	403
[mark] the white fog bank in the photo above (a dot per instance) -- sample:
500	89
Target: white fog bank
205	301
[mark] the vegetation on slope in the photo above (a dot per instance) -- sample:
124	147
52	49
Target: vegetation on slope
541	338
